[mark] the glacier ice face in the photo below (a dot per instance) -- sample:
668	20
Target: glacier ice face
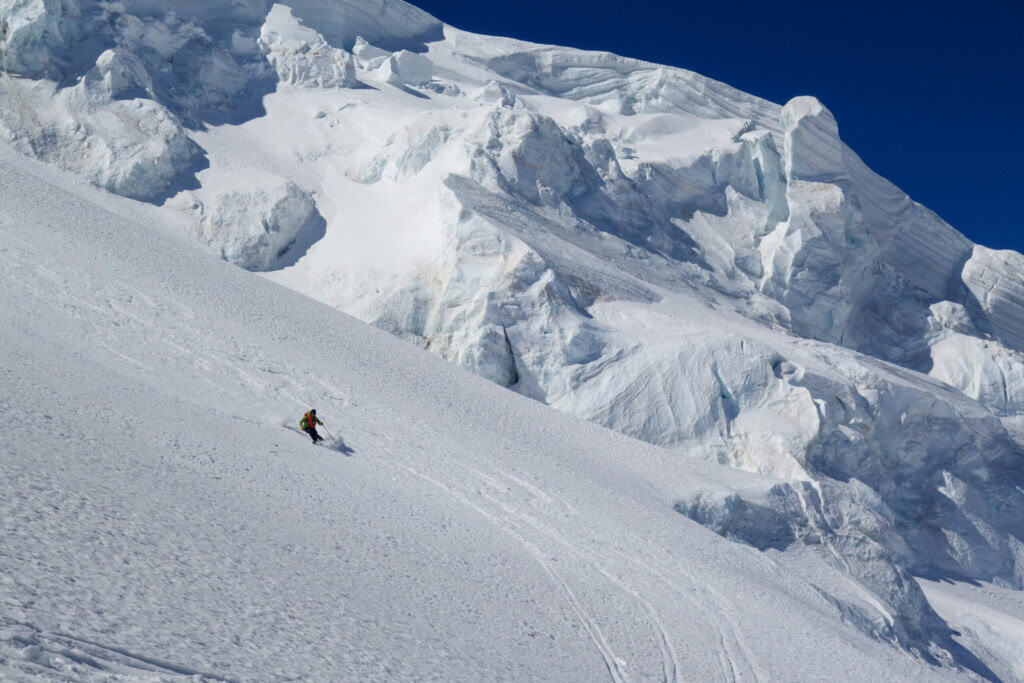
113	81
849	522
133	147
406	68
813	150
120	73
30	32
301	56
986	371
995	281
167	66
370	56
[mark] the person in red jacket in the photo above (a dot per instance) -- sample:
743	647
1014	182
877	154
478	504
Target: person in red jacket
309	423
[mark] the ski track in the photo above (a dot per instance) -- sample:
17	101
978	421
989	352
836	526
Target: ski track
670	661
671	666
81	656
734	655
593	630
736	661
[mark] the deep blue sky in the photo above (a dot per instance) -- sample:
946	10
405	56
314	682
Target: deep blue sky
929	94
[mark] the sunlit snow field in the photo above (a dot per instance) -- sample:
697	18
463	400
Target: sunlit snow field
697	394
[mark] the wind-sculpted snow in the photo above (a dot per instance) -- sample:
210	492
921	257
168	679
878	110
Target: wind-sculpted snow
633	244
390	24
627	86
813	149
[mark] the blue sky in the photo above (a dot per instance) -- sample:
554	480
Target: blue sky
929	94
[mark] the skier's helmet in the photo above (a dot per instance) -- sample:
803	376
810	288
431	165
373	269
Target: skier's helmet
312	411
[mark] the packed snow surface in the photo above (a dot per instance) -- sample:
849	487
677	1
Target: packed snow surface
635	245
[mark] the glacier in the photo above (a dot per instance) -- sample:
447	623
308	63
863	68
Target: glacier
633	244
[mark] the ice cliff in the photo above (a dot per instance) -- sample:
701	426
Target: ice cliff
634	244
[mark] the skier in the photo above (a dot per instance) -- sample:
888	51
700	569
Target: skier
309	423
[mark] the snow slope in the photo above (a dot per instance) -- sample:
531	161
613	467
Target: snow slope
990	620
159	519
636	245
